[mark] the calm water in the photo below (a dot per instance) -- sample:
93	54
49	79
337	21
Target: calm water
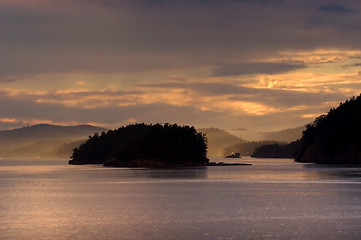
273	199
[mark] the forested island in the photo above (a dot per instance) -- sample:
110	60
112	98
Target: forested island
334	138
142	145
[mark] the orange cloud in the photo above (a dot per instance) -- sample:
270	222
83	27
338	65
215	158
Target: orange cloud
311	115
318	55
8	120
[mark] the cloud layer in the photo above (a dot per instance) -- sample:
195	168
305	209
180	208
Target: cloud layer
267	64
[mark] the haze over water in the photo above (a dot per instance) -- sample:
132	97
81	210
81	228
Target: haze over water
272	199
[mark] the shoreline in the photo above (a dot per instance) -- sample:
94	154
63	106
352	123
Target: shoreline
228	164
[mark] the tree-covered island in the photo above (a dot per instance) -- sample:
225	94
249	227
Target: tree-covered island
334	138
142	145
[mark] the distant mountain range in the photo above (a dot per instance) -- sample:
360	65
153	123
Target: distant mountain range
46	141
287	135
48	132
219	139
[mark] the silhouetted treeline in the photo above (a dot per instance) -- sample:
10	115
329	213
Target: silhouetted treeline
278	150
334	138
142	145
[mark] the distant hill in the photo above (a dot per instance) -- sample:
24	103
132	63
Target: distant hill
246	148
44	140
277	150
47	132
219	139
334	138
287	135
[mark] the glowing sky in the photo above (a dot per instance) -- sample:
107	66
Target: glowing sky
256	64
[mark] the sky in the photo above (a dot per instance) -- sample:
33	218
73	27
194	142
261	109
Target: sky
264	65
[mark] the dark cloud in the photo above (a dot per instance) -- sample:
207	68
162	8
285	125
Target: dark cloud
356	65
352	65
89	36
8	79
337	8
174	3
285	98
177	79
214	89
180	36
81	94
256	68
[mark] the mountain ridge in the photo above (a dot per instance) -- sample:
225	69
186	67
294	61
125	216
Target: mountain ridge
47	140
287	135
44	140
48	131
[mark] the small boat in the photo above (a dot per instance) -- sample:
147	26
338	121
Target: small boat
234	155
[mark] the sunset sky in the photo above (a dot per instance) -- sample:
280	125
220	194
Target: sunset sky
257	64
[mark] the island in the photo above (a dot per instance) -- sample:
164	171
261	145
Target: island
144	145
335	137
234	155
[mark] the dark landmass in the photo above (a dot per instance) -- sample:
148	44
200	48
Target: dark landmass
141	145
219	139
334	138
246	148
278	150
234	155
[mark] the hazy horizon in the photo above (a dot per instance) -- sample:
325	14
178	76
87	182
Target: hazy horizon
263	65
53	141
234	131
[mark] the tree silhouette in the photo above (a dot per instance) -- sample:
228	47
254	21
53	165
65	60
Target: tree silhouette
141	145
334	138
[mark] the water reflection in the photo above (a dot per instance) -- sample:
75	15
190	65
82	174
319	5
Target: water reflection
272	199
182	173
192	173
261	170
333	171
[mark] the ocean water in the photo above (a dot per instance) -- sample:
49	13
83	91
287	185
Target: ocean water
272	199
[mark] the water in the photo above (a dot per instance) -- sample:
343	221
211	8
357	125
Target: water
272	199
